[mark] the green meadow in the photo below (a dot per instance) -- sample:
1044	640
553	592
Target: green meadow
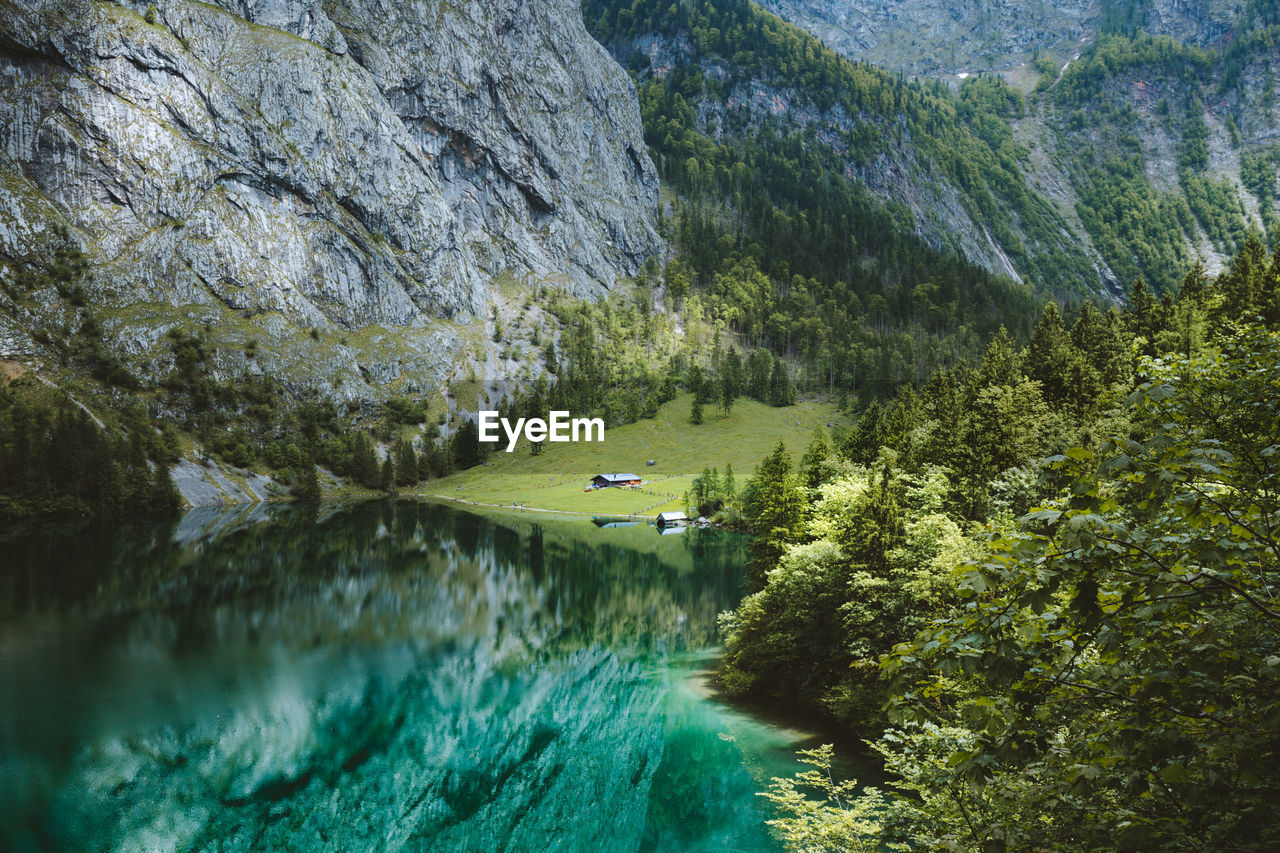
557	479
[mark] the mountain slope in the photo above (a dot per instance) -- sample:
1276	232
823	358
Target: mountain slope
1151	122
933	38
278	167
948	165
1171	151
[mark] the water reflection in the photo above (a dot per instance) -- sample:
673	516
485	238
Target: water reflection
398	676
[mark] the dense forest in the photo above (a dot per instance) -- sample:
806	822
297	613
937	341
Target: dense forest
778	233
1044	585
792	180
1136	107
55	460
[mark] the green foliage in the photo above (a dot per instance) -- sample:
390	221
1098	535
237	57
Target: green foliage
781	391
773	509
708	493
819	813
407	466
305	488
1218	210
1112	55
402	410
364	466
51	283
813	471
55	460
466	449
1250	289
868	576
1117	662
780	237
1194	151
1258	174
730	381
1102	673
1139	232
1101	107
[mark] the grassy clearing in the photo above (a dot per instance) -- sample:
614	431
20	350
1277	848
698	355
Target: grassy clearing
555	480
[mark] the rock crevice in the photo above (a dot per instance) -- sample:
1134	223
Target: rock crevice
349	162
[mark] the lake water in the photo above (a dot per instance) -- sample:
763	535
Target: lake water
384	676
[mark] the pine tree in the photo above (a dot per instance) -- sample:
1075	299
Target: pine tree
876	528
165	498
705	495
728	392
364	462
306	487
773	507
702	385
1241	286
676	281
1000	364
1193	283
863	442
1269	293
759	365
811	472
695	412
781	391
1051	359
467	452
731	382
1102	343
138	479
406	461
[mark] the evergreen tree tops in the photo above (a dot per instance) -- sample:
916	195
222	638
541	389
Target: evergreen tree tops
56	460
1056	573
773	509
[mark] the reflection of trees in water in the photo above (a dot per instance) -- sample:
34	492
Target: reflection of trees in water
392	670
598	590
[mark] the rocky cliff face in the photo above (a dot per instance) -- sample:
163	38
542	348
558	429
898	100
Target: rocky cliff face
271	166
902	175
930	36
1133	110
941	38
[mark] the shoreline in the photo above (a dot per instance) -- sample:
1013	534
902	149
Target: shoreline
517	508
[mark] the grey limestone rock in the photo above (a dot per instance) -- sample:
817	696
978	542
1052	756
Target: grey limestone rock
330	165
942	38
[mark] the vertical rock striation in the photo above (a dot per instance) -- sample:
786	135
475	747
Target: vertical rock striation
349	162
934	38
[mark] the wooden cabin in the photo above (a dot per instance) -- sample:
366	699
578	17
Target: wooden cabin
672	519
604	481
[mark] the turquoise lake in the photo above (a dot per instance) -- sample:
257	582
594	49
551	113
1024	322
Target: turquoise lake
380	676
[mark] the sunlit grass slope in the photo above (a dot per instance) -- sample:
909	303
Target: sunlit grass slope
556	479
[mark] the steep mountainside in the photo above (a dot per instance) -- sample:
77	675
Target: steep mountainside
947	166
1170	153
360	171
1149	126
939	38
